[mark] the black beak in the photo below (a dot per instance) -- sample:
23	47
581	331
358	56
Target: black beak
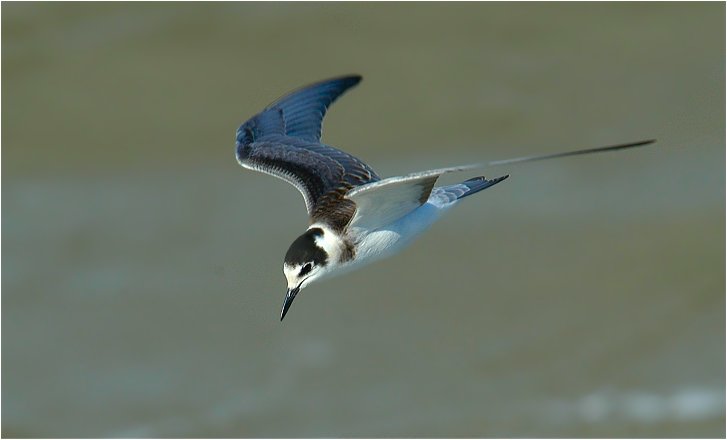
289	297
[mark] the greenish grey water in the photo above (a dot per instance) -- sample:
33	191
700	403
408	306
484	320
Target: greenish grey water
142	267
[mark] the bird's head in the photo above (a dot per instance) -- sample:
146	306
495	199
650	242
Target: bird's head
312	256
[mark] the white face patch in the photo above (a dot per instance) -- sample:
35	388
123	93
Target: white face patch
291	275
300	274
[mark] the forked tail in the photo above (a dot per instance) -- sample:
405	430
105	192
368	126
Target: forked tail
477	184
451	193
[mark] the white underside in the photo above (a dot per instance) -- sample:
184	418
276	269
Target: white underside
388	240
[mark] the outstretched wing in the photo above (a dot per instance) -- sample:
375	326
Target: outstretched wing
385	201
283	141
572	153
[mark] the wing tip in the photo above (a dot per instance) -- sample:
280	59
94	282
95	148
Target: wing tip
348	80
353	77
573	152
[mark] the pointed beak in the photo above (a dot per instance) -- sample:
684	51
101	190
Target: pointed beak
289	297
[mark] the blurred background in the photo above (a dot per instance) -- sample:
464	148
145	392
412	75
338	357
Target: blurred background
142	271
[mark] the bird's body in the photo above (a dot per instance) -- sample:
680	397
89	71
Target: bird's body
356	217
385	241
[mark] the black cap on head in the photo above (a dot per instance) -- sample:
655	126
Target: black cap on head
304	249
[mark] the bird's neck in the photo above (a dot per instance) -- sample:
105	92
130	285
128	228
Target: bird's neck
338	247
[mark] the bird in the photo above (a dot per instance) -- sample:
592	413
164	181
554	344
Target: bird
355	216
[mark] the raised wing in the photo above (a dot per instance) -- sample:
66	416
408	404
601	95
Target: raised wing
385	201
299	114
283	141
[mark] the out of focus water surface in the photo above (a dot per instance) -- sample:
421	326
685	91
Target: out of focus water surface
142	276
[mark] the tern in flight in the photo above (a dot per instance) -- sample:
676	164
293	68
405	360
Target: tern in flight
356	217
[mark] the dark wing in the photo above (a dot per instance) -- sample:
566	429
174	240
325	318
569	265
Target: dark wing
298	114
283	141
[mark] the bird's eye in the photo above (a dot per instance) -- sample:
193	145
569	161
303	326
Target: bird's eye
306	268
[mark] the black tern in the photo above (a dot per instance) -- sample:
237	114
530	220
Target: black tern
356	217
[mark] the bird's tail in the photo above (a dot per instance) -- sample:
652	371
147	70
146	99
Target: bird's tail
477	184
446	195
